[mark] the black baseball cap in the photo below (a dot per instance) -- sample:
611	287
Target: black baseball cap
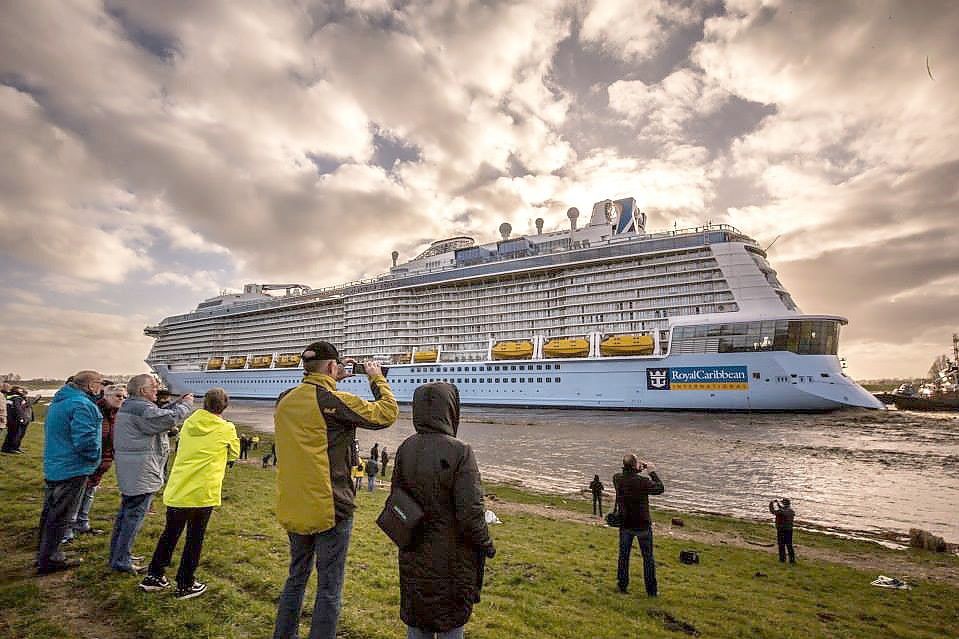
320	350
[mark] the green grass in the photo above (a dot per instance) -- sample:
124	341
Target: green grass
549	579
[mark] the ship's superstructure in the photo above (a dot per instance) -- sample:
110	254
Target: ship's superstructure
616	307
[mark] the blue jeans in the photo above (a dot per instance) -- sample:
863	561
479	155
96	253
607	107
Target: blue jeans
371	481
328	550
644	538
416	633
80	520
133	509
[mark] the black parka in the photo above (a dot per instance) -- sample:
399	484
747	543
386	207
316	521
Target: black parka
438	573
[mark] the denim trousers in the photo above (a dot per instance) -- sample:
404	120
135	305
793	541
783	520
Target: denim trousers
195	521
644	538
784	539
328	550
133	509
371	482
80	520
59	503
416	633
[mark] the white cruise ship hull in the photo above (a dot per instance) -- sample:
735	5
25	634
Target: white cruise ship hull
766	381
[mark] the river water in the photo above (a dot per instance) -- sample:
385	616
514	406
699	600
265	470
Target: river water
865	472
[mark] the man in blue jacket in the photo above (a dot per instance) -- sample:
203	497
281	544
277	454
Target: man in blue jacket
72	441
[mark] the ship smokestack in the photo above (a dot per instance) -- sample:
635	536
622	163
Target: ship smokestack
539	226
396	256
505	229
572	214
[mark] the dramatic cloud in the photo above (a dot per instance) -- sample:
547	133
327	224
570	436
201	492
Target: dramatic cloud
158	152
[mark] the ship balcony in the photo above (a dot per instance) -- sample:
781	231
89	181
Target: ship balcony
154	331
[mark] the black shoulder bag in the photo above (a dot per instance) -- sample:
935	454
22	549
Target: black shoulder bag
401	516
614	519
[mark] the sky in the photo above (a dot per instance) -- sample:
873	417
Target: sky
157	153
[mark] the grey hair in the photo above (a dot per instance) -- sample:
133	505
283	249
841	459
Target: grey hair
630	460
115	389
137	383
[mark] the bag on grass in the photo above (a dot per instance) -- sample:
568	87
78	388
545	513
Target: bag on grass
689	557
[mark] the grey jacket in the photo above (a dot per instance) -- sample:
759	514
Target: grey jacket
141	444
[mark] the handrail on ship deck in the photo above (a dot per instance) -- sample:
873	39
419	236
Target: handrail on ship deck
320	293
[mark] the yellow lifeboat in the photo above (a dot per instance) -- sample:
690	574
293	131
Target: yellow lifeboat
627	345
288	360
576	347
237	361
513	350
214	364
400	358
421	357
261	361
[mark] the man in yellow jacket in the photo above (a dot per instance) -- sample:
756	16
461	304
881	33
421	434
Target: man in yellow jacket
207	444
315	430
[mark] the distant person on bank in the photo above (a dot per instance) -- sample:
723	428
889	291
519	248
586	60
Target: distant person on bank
141	446
207	444
440	574
72	440
315	428
359	472
596	487
375	451
384	460
109	404
785	516
4	390
19	414
371	468
632	498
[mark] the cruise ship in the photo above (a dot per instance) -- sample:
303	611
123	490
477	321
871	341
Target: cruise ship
594	315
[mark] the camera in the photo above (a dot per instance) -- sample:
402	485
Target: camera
355	368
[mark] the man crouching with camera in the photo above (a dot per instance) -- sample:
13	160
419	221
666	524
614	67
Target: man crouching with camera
315	429
632	500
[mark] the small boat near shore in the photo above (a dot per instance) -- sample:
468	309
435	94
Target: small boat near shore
942	393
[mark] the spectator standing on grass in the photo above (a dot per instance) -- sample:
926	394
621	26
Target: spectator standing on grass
384	460
109	404
315	428
141	448
596	487
784	528
371	468
359	472
256	442
4	389
441	572
632	498
207	444
19	414
375	451
72	443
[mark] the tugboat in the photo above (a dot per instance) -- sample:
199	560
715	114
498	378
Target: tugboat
941	393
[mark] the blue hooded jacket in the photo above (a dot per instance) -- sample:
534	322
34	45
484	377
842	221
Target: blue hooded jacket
72	435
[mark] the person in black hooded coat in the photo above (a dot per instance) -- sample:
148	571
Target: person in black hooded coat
439	572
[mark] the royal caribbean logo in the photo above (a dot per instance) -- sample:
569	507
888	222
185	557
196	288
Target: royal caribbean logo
698	378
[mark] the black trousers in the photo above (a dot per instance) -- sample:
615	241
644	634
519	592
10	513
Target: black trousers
597	504
60	499
784	539
195	521
15	433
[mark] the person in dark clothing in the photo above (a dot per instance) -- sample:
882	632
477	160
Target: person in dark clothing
596	487
384	460
632	499
375	451
784	528
440	576
244	446
19	410
371	468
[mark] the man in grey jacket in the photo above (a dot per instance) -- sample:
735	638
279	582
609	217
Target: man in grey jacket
141	447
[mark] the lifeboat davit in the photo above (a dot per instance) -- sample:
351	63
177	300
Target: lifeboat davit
261	361
576	347
214	364
513	350
627	345
287	360
235	362
422	357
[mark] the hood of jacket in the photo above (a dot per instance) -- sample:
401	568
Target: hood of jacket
69	392
436	408
202	423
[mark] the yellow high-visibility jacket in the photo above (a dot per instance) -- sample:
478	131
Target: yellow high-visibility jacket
207	443
315	427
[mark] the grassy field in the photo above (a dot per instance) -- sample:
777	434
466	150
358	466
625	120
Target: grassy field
551	578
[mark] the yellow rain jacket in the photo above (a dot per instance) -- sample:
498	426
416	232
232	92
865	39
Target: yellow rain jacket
207	443
359	471
315	428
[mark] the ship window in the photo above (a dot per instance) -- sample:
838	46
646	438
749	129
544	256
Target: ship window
557	367
459	369
497	380
459	381
512	368
557	380
539	380
539	367
549	366
756	376
522	380
549	379
474	380
496	367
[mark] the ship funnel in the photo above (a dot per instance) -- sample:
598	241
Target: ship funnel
539	226
396	256
572	214
505	229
